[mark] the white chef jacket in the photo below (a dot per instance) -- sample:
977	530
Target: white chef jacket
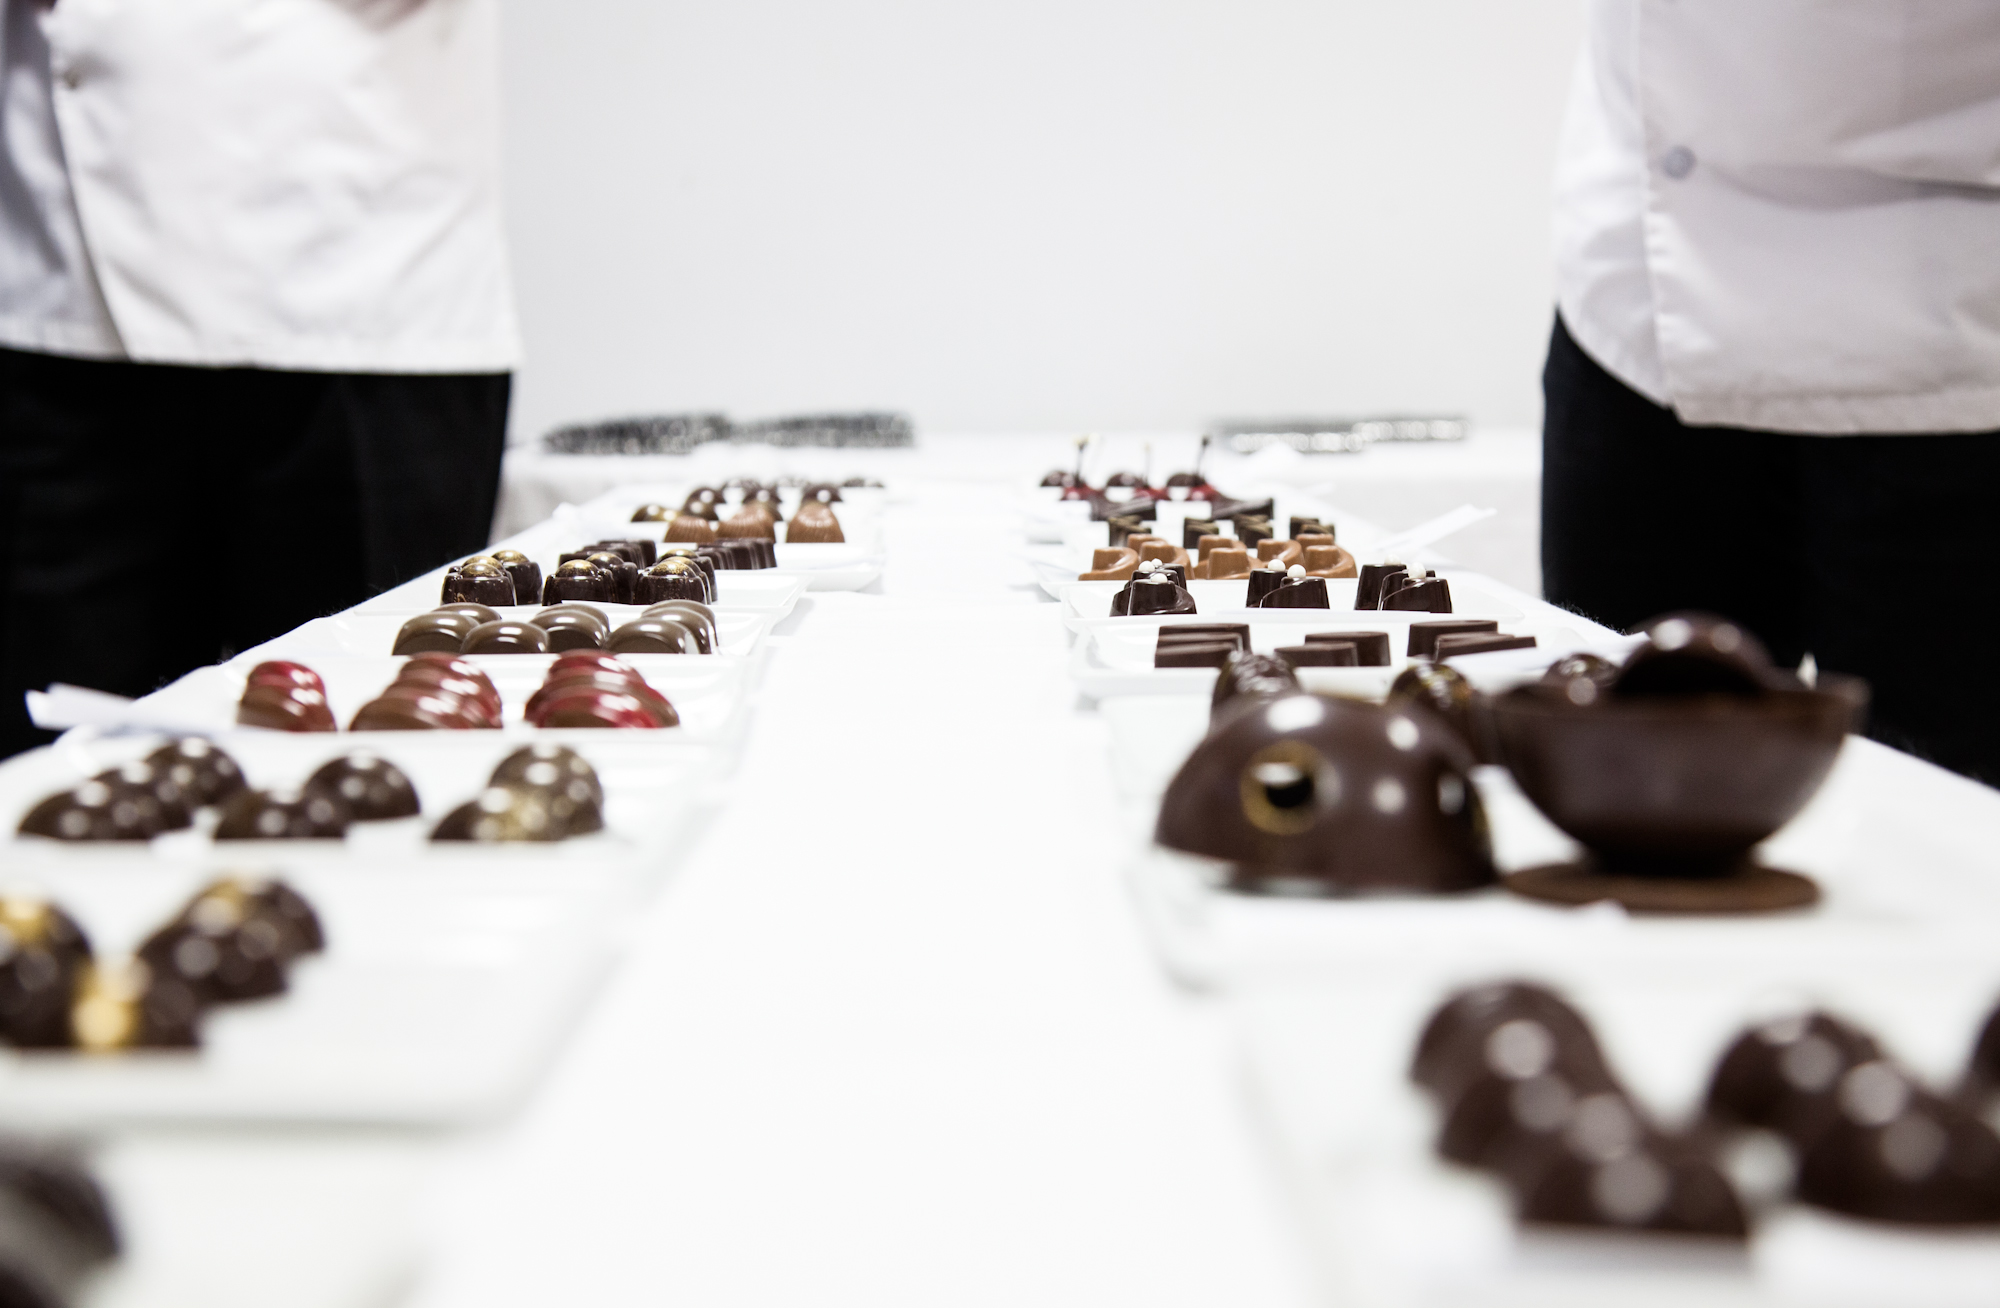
1785	214
300	184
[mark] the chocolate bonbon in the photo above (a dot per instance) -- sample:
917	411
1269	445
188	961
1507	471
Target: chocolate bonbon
653	513
1451	645
434	631
234	941
1156	593
1371	648
1368	590
478	580
1320	654
106	807
128	1005
202	770
45	954
690	529
1413	591
1313	795
1424	635
1194	653
599	690
524	572
580	579
1249	679
661	635
813	523
372	788
696	617
671	579
573	626
283	696
1696	654
268	815
1296	591
1781	1075
1443	691
562	770
1894	1151
508	815
507	636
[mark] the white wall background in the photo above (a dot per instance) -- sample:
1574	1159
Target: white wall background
1036	214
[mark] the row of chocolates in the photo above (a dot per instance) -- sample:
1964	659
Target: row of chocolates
605	572
1526	1093
1667	769
234	941
677	626
163	792
1211	644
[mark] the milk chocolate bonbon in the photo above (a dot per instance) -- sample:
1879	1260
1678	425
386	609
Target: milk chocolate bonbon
507	636
813	523
572	626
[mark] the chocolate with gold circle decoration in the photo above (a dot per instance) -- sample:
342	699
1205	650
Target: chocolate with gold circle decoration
560	770
509	814
579	579
524	572
479	580
653	513
44	953
676	578
128	1005
1308	795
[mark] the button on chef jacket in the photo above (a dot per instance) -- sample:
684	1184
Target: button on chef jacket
300	184
1785	214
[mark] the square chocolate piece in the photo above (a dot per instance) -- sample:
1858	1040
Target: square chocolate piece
1194	654
1424	635
1479	643
1320	654
1371	648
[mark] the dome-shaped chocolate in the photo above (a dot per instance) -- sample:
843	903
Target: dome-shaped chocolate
1781	1075
131	1006
199	768
1581	678
1250	679
579	579
1696	654
433	632
1600	1173
703	502
524	572
478	581
1442	691
507	636
1296	591
1893	1151
675	578
177	804
509	814
42	952
572	626
563	771
104	808
813	523
1454	1040
696	617
653	636
262	815
373	788
1320	795
653	513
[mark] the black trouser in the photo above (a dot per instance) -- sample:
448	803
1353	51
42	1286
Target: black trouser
1879	555
154	519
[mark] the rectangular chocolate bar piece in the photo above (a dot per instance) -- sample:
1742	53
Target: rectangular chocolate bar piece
1194	653
1424	635
1320	654
1200	631
1479	643
1371	648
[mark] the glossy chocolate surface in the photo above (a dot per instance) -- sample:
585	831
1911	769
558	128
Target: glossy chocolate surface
372	788
1249	679
690	530
1479	643
1696	654
653	636
1431	595
560	769
263	815
696	617
1368	592
571	628
478	583
45	952
751	522
130	1006
671	579
1424	635
433	632
1239	632
581	580
1371	648
1296	592
99	809
508	814
1443	691
1307	794
1320	654
814	522
1193	653
703	502
1455	1040
284	708
507	636
1157	594
201	770
1893	1151
653	513
1781	1075
1263	581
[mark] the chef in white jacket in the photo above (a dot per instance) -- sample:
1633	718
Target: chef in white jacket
256	332
1773	388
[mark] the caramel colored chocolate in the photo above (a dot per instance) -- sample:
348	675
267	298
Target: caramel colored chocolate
691	529
1111	565
814	522
1193	654
653	636
1479	643
1424	635
1320	654
1287	552
1371	648
1208	542
1157	549
127	1006
46	952
477	613
703	502
1225	563
753	521
1328	561
372	788
1314	795
507	636
1296	592
696	617
262	815
1368	594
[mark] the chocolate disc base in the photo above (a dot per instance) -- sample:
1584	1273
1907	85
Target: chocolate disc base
1755	889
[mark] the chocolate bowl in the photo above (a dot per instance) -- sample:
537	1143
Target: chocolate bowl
1309	795
1670	793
